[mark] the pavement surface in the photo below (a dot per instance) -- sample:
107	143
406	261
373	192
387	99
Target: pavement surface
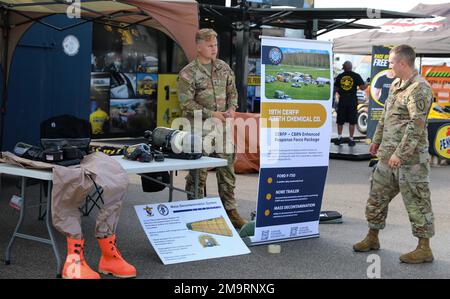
329	256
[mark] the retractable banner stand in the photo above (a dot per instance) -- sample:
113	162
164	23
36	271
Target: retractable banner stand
381	79
295	130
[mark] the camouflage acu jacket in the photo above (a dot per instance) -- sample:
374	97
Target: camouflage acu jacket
201	89
402	128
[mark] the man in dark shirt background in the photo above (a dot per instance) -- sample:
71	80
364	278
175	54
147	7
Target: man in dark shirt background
346	85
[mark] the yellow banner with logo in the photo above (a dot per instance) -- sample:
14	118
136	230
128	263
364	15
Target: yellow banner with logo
168	103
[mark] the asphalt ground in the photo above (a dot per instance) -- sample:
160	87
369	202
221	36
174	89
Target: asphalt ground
329	256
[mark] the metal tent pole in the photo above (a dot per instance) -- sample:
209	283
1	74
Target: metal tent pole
242	36
5	68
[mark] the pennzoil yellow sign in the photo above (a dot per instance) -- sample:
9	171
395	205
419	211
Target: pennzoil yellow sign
442	141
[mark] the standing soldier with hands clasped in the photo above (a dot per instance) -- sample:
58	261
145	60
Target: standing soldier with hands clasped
401	144
207	86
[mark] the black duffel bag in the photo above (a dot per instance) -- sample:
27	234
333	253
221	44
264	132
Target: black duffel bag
152	186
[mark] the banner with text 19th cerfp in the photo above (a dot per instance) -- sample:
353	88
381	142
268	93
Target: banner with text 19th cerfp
296	93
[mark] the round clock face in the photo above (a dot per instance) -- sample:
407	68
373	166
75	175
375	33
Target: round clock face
71	45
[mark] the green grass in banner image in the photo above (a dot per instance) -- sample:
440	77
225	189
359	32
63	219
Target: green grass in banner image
297	82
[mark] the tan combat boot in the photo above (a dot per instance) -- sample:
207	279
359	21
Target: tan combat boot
236	219
422	254
369	243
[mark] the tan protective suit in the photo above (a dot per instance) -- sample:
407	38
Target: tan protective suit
72	184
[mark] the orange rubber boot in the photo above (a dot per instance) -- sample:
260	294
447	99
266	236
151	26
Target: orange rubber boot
76	266
112	261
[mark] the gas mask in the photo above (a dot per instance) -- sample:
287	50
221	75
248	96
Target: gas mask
138	152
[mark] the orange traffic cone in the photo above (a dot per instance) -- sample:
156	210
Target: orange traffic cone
75	266
112	261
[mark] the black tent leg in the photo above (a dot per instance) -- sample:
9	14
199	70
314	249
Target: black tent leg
5	68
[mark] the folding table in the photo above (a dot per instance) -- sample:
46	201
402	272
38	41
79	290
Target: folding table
131	167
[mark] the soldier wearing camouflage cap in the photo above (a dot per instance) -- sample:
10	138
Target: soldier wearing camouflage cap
401	144
206	87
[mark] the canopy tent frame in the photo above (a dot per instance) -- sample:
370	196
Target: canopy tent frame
314	21
430	38
99	19
12	7
263	16
340	25
109	17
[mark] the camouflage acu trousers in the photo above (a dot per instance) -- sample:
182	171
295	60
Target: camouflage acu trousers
412	182
226	181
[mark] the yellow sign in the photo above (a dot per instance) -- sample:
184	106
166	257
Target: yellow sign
292	115
254	80
442	142
168	103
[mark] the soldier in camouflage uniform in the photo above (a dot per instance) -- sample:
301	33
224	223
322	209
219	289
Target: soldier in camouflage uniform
401	144
206	87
